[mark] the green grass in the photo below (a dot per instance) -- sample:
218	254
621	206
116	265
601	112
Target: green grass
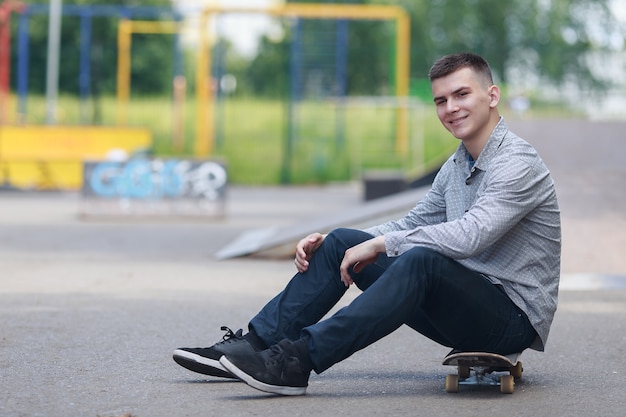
328	142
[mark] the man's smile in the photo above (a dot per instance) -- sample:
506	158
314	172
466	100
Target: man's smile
457	121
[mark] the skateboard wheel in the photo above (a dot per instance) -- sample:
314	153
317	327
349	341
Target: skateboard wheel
452	383
464	372
507	384
516	371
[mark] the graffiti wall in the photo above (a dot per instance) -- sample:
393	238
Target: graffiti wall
154	187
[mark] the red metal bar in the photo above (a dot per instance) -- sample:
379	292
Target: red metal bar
6	8
5	54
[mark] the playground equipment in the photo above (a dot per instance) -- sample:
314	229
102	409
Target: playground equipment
132	20
51	157
205	100
85	14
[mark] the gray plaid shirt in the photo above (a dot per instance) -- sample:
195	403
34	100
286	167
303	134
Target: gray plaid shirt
499	217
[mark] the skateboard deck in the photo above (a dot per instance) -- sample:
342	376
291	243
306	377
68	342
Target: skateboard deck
482	368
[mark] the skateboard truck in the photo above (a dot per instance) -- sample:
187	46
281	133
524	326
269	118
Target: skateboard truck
481	368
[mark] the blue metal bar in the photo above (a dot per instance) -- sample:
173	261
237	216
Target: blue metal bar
84	77
341	84
341	57
295	62
109	10
22	64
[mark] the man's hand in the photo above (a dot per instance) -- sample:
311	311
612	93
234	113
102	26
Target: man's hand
305	249
359	256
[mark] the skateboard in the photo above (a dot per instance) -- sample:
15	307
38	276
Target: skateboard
479	368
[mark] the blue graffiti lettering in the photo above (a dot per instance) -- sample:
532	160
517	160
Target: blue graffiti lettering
156	179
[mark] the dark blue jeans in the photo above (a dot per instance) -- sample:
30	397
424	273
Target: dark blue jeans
433	294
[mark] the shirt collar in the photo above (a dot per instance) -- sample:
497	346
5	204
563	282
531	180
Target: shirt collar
491	147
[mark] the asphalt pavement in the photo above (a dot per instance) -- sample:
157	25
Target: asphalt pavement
91	311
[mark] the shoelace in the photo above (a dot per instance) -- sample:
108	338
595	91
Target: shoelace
230	334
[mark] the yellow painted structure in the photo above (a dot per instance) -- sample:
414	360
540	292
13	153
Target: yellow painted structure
125	31
204	141
51	157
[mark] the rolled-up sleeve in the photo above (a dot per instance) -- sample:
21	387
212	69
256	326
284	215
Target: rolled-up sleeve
507	193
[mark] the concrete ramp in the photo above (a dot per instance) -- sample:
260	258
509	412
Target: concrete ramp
280	242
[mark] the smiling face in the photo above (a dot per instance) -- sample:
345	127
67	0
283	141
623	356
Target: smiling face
467	106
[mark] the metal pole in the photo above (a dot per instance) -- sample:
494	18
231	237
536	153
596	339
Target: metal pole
123	70
22	66
403	51
54	46
204	118
84	78
5	56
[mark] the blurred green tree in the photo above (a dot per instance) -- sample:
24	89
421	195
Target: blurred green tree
551	39
152	55
267	74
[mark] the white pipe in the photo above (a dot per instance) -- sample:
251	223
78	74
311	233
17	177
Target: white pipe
52	73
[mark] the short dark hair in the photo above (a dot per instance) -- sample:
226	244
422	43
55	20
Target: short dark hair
450	63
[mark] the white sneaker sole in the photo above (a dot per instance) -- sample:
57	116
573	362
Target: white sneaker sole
261	386
199	359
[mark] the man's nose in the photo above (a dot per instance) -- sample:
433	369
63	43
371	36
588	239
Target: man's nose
451	106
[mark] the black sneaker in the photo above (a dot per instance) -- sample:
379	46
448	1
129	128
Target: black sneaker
281	369
206	360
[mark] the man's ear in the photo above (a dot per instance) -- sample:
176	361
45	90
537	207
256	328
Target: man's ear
494	96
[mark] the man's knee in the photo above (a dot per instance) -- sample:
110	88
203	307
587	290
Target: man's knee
345	233
338	233
344	238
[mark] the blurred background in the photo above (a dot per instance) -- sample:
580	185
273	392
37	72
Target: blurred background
282	92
